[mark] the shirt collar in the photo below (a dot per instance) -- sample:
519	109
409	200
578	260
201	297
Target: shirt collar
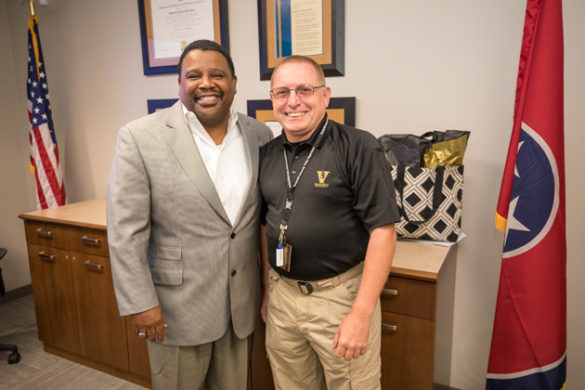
310	141
198	129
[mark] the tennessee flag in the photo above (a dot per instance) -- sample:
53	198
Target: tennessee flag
528	349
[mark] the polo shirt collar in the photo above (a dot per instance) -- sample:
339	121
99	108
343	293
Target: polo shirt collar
310	141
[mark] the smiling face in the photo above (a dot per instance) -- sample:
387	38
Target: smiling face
207	86
299	115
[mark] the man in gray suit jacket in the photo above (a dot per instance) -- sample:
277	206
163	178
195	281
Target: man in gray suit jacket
183	223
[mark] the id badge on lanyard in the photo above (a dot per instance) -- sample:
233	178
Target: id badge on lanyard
284	249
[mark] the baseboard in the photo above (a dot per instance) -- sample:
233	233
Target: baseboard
16	293
437	386
120	373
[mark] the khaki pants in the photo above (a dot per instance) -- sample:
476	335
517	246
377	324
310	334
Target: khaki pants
219	365
299	336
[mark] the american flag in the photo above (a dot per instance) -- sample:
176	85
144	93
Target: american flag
44	154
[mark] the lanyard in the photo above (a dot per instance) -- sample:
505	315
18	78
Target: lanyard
291	187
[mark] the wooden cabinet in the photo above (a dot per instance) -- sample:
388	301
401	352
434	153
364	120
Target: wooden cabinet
417	317
76	309
77	314
408	332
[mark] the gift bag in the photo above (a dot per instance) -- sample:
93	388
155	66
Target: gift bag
447	148
429	200
432	149
404	149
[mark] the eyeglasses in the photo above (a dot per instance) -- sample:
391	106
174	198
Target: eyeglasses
302	90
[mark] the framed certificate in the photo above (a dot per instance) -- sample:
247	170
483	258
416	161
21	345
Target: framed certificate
167	26
314	28
341	110
159	104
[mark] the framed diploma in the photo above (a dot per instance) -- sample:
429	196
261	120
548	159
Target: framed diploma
341	110
159	104
167	26
314	28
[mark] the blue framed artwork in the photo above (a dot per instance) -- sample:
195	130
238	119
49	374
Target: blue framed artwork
159	104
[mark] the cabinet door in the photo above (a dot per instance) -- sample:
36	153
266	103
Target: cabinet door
260	372
54	299
407	352
137	352
101	329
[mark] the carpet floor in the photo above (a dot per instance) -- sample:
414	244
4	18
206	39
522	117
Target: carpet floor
38	369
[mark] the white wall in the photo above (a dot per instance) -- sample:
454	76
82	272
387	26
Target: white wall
16	195
413	66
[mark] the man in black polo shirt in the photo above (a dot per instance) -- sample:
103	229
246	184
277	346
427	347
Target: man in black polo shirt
329	213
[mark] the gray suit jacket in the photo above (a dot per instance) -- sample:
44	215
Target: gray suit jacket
171	242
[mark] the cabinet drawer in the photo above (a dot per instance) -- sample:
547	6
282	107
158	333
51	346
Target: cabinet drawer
47	234
409	297
89	241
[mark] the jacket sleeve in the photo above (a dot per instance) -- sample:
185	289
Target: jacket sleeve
128	224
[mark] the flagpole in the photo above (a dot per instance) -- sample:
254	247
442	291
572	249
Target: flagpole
32	7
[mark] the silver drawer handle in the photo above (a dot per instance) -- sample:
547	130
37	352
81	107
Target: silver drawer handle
389	292
389	328
45	257
95	267
89	240
44	233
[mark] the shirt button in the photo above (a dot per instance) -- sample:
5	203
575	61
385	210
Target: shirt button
294	172
233	235
296	157
234	272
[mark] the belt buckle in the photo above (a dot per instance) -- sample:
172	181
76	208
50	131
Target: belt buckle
306	288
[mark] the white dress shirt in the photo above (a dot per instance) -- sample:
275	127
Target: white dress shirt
227	163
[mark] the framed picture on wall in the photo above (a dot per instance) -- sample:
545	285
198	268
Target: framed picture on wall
312	28
167	26
158	104
341	110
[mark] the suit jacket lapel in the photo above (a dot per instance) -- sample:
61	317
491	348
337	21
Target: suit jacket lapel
251	141
180	140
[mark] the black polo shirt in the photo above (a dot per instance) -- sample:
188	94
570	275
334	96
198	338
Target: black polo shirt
345	191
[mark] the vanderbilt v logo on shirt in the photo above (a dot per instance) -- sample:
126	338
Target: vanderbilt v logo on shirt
322	176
